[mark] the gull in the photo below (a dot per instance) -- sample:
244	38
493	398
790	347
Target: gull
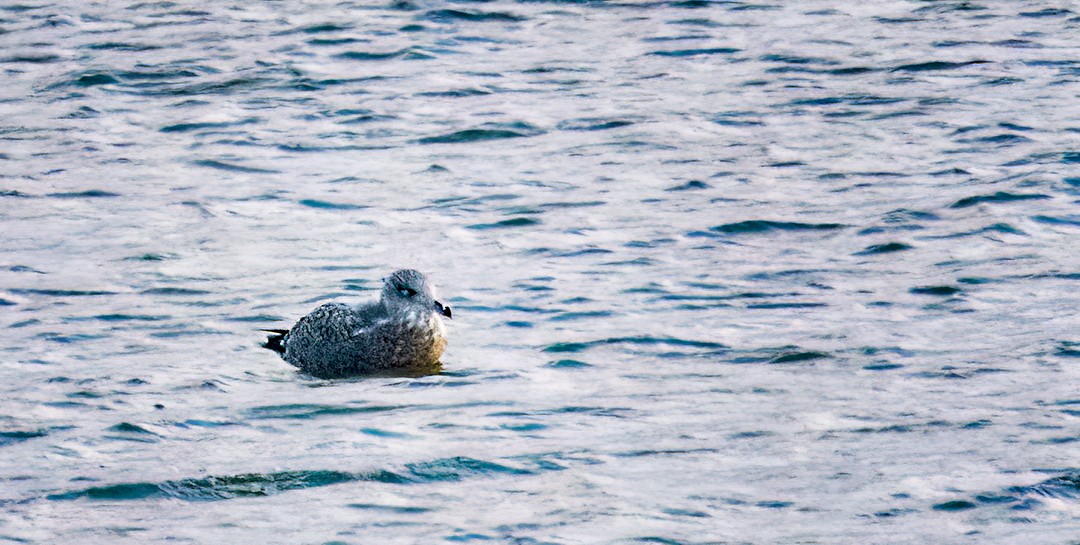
400	334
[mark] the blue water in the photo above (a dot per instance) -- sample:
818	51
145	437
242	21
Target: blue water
720	271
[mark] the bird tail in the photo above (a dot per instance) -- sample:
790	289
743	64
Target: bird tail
275	341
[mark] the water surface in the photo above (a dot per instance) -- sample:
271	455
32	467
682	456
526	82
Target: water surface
721	271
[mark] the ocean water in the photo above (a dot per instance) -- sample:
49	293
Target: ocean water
722	272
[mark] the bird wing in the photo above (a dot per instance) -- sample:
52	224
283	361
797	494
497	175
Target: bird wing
332	322
367	316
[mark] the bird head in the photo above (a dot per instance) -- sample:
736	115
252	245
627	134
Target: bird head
407	289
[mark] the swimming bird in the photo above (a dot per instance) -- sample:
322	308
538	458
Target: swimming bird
401	333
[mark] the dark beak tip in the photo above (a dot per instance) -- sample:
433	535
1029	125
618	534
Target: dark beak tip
444	310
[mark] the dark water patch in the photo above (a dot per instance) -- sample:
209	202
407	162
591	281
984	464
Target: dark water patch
324	28
894	512
453	15
695	4
794	357
664	452
750	435
151	257
567	364
24	269
1068	349
477	135
764	226
525	428
88	194
941	291
155	75
173	291
882	366
685	513
456	93
787	273
1015	127
333	41
1062	487
774	504
584	252
901	113
993	228
409	53
851	71
951	172
738	119
12	437
738	6
954	43
119	46
60	293
226	487
976	281
1056	440
887	248
200	423
177	333
571	204
592	124
998	197
689	186
513	222
232	167
794	59
188	127
785	305
567	316
395	509
127	427
1004	138
1020	498
1047	12
572	347
130	317
820	101
326	205
307	411
1001	81
954	505
12	192
695	52
778	355
894	428
456	469
936	65
254	318
904	215
41	58
91	80
382	433
83	112
595	411
1051	220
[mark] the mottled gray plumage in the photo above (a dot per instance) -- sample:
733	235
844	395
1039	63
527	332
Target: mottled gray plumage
401	333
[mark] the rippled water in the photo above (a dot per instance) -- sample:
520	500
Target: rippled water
721	271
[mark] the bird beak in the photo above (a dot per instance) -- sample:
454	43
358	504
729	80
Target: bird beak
445	311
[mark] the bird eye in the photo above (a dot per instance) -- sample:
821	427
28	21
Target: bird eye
407	292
